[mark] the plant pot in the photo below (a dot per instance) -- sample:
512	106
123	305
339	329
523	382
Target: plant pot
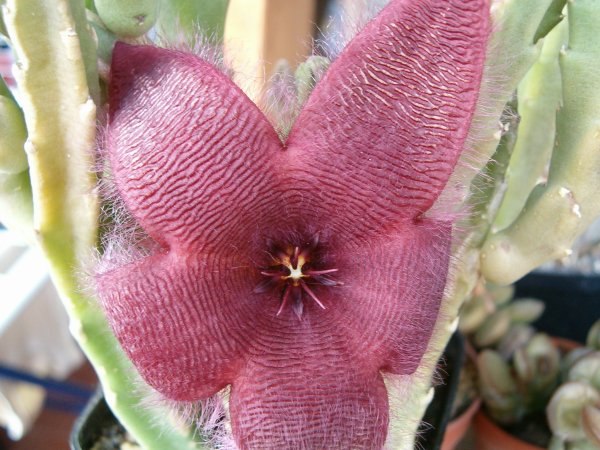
95	423
489	436
560	292
438	414
458	427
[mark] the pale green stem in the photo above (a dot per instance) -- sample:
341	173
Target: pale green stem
555	214
57	86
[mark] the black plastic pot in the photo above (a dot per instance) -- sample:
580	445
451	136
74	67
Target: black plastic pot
572	302
95	419
439	411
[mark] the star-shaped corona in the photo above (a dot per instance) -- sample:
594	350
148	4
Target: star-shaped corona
292	272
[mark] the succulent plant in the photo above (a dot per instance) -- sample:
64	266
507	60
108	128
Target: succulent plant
492	318
536	61
541	377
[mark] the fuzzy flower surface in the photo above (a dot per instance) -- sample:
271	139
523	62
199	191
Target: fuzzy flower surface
298	273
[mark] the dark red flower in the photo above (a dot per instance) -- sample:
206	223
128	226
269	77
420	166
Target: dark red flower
298	273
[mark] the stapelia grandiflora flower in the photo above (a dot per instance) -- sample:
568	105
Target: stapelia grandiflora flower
302	273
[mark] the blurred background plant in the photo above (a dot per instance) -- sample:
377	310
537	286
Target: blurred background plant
544	390
530	178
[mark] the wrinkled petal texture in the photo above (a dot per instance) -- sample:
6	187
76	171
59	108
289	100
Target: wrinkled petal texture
204	174
382	131
192	157
182	320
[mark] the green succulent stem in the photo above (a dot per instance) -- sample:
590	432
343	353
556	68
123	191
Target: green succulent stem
540	95
56	74
559	211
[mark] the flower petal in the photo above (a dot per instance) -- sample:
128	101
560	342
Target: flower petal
392	292
383	129
184	322
309	392
192	156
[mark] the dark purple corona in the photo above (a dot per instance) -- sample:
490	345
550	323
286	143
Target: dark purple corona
293	271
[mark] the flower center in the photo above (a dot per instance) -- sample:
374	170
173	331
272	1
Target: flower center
293	274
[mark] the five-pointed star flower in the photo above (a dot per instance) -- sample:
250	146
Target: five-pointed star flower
299	273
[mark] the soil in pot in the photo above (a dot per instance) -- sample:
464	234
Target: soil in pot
98	429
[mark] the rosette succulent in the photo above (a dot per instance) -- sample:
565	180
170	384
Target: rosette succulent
302	274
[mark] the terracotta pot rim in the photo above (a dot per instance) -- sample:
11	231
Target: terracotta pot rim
458	426
488	429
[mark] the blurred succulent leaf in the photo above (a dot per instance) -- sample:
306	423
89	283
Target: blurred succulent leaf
16	204
591	424
501	295
472	314
538	363
593	337
492	329
498	389
525	310
565	410
515	338
582	444
556	443
571	358
587	369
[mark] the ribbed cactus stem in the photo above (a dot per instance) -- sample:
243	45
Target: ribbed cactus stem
57	79
540	95
16	207
561	210
511	52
